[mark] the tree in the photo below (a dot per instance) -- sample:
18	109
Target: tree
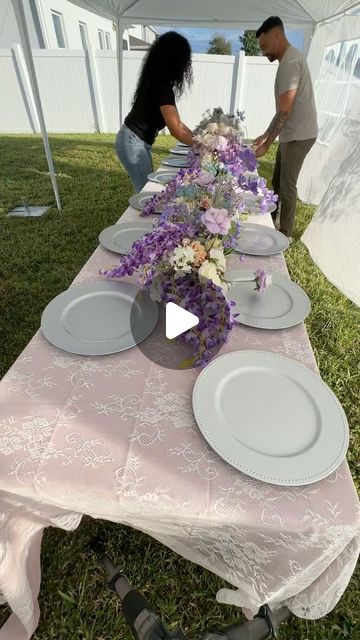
219	45
249	44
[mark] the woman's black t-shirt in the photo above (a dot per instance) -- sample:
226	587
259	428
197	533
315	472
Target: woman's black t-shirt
145	118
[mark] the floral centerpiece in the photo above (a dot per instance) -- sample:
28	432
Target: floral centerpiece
185	263
218	146
183	259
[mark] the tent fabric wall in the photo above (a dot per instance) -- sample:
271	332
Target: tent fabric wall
331	173
244	14
335	68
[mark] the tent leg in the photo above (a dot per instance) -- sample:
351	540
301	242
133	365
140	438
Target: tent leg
25	42
120	28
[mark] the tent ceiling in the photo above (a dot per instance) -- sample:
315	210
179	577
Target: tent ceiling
300	14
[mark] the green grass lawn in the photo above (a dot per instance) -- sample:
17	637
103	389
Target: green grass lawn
39	259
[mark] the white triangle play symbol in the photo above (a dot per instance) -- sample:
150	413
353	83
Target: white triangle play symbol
178	320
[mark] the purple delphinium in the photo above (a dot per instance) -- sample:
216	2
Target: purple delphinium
248	158
207	302
158	201
257	186
150	250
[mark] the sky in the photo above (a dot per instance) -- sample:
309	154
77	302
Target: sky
199	38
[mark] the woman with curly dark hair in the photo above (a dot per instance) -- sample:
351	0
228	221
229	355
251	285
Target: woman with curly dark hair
165	72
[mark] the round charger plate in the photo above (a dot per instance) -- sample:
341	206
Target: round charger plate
139	200
121	237
259	240
162	176
284	304
180	151
249	196
93	319
253	207
182	144
176	161
270	418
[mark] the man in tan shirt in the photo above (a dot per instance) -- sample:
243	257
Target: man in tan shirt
295	121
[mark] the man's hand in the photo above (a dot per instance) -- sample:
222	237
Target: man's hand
262	149
260	140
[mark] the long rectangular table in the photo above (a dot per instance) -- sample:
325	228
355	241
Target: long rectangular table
114	437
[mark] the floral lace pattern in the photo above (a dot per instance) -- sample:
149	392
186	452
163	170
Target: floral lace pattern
115	437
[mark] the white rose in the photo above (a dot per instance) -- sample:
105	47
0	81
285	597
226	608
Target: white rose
212	127
218	256
208	270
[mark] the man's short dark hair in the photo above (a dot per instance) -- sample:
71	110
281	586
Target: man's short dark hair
270	23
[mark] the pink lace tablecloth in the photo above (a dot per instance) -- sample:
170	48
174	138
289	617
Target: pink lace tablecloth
115	438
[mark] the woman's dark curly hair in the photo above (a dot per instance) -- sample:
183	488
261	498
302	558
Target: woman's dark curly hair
168	60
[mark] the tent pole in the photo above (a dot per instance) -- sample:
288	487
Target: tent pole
25	43
120	28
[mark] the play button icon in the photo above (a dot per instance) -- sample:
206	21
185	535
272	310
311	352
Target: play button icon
178	320
172	344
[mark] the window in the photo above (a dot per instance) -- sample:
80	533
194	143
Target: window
108	41
101	39
59	29
37	25
83	35
125	45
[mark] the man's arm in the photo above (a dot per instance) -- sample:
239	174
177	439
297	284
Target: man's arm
286	103
260	139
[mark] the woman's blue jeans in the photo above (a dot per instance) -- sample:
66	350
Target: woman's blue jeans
135	156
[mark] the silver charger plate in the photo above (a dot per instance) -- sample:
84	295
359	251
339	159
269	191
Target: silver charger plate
284	304
120	238
99	318
253	207
180	151
271	418
162	177
139	200
259	240
182	144
176	161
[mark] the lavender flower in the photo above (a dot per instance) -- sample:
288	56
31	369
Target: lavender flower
150	250
207	302
262	280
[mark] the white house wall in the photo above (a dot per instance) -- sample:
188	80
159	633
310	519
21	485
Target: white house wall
72	15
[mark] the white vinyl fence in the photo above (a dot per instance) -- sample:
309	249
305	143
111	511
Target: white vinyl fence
79	89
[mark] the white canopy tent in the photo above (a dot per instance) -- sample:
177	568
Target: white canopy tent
331	174
311	16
